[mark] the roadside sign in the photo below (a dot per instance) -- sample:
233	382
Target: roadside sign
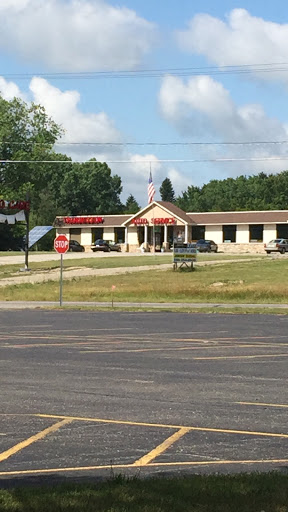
61	244
184	254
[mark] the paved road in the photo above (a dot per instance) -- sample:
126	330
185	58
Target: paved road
87	393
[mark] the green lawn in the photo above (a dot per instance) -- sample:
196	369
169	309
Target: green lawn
112	262
195	493
258	281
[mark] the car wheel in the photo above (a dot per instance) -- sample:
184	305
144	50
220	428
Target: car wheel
268	252
282	250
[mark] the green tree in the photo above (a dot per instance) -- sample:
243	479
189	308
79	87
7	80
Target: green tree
90	188
166	191
131	205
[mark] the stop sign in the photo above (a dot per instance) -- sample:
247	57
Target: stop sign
61	244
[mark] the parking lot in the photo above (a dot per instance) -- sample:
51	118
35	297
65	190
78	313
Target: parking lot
101	392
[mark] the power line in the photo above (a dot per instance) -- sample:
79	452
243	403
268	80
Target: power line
256	159
245	143
276	67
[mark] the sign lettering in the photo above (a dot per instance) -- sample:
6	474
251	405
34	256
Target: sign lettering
83	220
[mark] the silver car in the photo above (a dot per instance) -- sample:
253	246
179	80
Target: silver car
277	245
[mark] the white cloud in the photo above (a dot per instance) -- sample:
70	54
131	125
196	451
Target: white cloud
64	108
239	40
75	35
204	109
203	106
9	90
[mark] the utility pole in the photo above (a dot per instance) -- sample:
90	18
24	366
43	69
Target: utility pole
27	213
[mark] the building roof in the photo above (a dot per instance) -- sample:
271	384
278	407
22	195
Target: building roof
176	211
251	217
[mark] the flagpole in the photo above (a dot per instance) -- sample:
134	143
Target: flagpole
153	228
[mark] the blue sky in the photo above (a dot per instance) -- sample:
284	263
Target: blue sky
205	105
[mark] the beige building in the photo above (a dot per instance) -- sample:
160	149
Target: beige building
159	224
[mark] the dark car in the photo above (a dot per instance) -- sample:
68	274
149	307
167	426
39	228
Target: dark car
74	246
113	246
206	246
100	245
277	245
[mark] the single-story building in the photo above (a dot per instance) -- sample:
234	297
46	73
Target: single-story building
159	224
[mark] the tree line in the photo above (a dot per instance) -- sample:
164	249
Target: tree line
27	138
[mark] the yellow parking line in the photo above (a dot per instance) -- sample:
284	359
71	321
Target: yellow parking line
143	461
153	464
240	357
159	425
18	447
263	404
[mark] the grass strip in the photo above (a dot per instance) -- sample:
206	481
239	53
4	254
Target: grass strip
196	493
256	282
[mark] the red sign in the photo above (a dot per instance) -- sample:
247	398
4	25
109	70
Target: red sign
138	222
14	205
83	220
166	220
61	244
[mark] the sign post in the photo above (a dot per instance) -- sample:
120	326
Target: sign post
61	245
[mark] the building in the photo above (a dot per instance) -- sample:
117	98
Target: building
159	224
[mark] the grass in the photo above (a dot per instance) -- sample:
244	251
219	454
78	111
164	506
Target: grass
110	262
260	281
216	493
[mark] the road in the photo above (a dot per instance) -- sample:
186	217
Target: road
90	393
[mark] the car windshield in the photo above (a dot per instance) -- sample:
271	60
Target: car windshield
276	241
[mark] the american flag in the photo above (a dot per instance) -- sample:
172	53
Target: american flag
151	189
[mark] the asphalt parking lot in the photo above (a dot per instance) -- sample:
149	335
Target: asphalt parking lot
100	392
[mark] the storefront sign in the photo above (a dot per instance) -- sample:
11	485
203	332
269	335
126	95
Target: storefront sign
15	205
184	253
139	222
83	220
165	220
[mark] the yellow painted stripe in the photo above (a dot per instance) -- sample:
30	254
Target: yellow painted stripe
20	446
160	425
161	448
263	404
239	357
153	464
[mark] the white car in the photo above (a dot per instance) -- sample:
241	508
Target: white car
277	245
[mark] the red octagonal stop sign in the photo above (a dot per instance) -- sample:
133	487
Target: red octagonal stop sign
61	244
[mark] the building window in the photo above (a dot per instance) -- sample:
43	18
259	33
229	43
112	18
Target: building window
256	233
75	232
96	234
198	232
229	234
119	234
282	230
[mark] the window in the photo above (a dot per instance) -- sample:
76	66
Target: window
74	232
229	234
198	232
119	234
282	230
97	233
256	232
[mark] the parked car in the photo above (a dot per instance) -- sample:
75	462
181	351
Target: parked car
206	246
113	246
74	246
277	245
100	245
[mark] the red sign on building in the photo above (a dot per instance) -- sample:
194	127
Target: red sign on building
83	220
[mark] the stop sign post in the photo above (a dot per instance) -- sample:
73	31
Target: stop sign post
61	245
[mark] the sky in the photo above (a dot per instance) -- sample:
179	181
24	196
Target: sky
191	91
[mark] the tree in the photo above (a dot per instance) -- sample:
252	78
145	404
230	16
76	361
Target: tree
131	205
166	191
90	188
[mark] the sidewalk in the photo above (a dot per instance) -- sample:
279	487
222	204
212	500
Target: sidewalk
137	305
